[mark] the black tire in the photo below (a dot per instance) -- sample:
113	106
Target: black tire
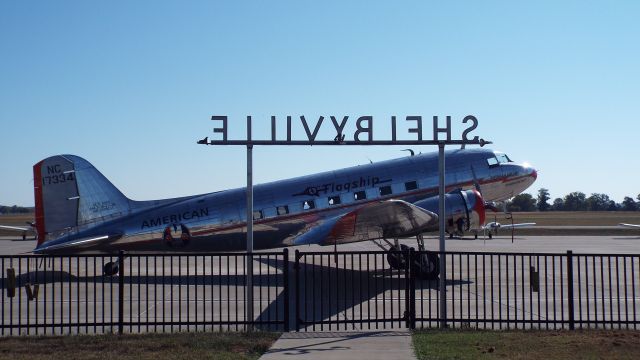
111	268
397	261
426	266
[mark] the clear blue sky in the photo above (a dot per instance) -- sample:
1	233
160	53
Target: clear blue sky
131	85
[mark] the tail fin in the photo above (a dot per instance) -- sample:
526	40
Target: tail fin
70	195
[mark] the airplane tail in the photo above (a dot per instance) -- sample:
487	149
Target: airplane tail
71	195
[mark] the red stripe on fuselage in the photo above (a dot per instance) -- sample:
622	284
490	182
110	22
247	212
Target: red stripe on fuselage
37	195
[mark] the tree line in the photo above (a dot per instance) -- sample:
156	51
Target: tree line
15	209
575	201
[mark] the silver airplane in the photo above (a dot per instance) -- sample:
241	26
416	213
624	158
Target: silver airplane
78	210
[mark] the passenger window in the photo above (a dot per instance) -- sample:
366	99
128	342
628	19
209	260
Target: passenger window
334	200
385	190
257	215
360	195
282	210
410	185
308	205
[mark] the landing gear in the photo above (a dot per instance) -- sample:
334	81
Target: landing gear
397	261
425	265
111	268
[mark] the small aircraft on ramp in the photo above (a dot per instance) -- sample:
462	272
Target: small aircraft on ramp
493	227
79	211
23	229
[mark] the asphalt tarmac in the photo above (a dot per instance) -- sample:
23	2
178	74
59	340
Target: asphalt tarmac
502	243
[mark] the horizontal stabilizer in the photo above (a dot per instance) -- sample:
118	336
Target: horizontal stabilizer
75	245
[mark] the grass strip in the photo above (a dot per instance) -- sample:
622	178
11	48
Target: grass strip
468	344
139	346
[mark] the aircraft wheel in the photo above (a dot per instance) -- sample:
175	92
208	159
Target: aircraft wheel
427	266
397	261
111	268
490	236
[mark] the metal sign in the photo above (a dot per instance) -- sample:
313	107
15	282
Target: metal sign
364	134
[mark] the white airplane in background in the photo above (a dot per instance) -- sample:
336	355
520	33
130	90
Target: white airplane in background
634	226
23	229
492	228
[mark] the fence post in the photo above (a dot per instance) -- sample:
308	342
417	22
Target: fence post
407	286
296	269
570	289
285	274
412	287
120	292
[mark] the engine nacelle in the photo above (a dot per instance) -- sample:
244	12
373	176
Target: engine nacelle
464	210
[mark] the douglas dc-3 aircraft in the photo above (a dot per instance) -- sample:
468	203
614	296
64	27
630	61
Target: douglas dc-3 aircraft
79	210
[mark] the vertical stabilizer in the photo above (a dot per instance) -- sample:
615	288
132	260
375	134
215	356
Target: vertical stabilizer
71	195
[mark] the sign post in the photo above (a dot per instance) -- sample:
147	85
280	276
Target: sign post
249	262
441	217
249	258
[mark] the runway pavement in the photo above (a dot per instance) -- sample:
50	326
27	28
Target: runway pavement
540	244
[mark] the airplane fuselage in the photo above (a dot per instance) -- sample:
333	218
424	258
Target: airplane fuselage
286	209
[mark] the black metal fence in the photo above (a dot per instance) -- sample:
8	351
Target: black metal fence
151	293
327	291
359	290
350	291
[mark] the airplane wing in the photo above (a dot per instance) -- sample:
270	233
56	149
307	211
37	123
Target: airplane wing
15	228
630	225
494	226
383	219
521	225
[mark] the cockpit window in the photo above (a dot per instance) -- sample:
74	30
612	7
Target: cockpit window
499	158
503	158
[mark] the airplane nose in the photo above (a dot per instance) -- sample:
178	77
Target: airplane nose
529	170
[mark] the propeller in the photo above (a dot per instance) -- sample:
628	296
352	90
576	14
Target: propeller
476	184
